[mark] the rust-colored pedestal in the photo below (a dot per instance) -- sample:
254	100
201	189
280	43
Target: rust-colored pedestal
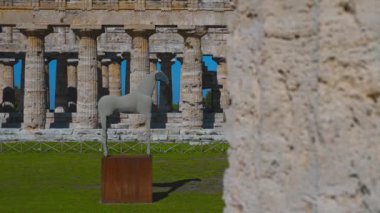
127	179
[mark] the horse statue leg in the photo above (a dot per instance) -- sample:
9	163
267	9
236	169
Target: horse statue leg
103	120
145	108
148	117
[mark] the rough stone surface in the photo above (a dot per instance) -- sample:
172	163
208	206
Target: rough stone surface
304	121
114	78
139	58
191	75
72	84
35	81
87	79
7	93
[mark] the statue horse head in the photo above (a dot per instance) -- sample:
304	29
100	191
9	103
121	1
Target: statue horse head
160	76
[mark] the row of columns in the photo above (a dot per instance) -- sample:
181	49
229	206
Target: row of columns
82	74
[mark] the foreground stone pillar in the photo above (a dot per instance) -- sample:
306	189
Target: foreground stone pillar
35	96
191	78
153	68
7	88
72	84
303	125
139	56
166	90
87	116
114	76
61	85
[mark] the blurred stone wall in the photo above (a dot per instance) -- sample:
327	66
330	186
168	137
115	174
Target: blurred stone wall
304	123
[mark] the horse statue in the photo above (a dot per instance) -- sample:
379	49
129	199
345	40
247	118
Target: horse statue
139	101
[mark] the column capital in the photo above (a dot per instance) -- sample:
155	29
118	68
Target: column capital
115	57
87	32
219	60
166	56
105	61
153	56
72	61
140	30
192	31
8	61
35	32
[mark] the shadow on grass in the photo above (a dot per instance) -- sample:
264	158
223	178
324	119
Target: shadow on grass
157	196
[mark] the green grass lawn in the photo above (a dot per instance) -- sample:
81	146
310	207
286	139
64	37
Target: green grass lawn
70	182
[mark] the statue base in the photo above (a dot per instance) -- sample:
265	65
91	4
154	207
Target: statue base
127	179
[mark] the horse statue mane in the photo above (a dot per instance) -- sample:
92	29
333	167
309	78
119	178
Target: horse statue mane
139	101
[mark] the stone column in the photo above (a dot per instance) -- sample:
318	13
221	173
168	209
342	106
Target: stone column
191	78
35	97
223	100
139	56
87	116
105	76
7	87
72	84
114	76
47	83
153	68
61	85
166	90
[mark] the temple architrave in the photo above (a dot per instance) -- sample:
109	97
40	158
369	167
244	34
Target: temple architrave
89	39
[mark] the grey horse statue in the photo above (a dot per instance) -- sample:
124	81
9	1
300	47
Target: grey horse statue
139	101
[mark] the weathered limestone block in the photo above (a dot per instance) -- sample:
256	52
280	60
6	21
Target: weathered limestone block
87	116
140	5
166	5
166	40
191	78
192	4
214	42
35	95
303	126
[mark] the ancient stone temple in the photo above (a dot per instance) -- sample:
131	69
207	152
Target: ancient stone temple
89	39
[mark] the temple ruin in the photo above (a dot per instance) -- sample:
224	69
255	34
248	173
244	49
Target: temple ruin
89	39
